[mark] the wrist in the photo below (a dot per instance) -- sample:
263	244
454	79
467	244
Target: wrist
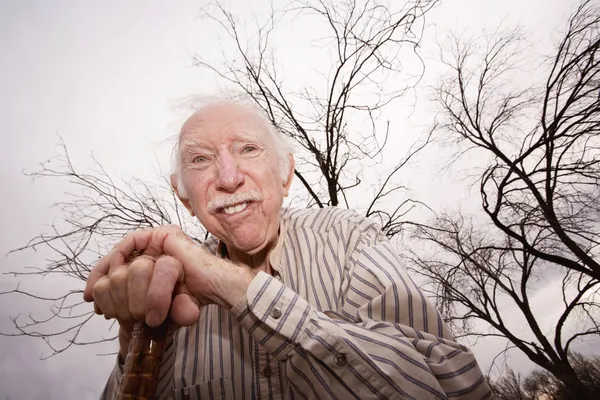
232	285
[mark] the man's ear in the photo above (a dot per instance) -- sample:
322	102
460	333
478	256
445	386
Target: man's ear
288	182
186	203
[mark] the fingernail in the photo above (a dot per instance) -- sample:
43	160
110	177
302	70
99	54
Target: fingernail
153	318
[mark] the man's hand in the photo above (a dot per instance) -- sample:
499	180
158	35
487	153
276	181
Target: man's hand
173	277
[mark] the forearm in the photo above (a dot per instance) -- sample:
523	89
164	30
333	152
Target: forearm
380	365
330	357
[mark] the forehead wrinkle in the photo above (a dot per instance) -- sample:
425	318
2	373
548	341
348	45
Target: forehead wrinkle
237	129
248	137
191	144
243	136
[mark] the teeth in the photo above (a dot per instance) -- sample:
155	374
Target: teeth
234	209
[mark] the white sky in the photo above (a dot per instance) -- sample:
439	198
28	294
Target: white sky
106	76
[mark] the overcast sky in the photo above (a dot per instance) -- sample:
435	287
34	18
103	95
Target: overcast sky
107	76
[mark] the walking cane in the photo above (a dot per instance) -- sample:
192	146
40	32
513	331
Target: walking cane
144	355
142	365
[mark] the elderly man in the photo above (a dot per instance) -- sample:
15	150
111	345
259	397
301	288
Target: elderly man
279	303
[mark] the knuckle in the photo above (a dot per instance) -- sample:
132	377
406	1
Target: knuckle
174	229
137	310
168	261
100	287
141	263
168	267
118	277
137	306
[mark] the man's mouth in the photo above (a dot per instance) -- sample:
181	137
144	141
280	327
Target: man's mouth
235	203
235	208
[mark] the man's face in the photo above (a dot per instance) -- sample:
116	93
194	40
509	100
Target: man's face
226	153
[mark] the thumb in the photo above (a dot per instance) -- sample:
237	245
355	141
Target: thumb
185	310
186	250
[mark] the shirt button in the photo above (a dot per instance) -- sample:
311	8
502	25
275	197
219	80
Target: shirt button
267	371
278	277
276	313
340	360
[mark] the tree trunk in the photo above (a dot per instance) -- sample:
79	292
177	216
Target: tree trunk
333	196
574	387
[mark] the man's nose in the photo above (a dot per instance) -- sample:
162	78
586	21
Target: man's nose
229	177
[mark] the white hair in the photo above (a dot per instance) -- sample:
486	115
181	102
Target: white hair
283	146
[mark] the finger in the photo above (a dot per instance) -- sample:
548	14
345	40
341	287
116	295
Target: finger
135	241
118	293
117	257
184	310
102	299
175	242
100	270
140	274
167	272
169	240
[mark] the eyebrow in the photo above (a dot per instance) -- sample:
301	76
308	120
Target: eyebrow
194	144
191	144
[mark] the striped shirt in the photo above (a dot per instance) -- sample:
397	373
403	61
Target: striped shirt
339	319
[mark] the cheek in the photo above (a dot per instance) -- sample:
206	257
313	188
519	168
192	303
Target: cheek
196	188
273	177
274	198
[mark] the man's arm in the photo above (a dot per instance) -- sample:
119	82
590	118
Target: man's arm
387	341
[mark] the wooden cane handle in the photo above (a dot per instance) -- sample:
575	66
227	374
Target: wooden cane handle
142	365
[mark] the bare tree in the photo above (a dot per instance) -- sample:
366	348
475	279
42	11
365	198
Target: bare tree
508	387
540	191
368	42
95	214
477	277
540	384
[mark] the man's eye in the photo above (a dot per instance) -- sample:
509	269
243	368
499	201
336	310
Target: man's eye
199	159
249	149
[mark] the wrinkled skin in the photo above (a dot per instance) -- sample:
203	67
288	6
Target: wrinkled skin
226	152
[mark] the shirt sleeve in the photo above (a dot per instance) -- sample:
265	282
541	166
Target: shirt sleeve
164	386
386	341
111	389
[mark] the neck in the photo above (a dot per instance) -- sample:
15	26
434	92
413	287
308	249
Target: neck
257	262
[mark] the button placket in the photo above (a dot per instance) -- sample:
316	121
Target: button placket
262	366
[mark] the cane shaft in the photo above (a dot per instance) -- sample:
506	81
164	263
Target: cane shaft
142	365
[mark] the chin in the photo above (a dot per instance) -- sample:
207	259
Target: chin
250	248
250	244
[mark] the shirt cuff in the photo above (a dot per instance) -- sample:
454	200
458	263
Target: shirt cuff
273	314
